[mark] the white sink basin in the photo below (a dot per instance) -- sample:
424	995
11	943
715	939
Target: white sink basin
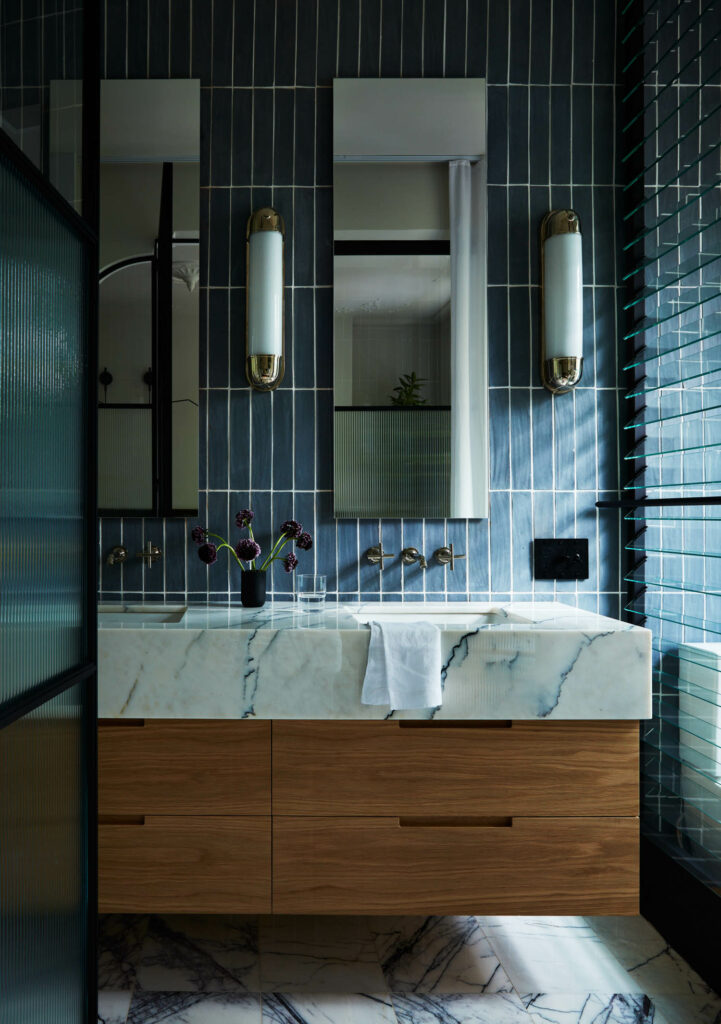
453	617
137	614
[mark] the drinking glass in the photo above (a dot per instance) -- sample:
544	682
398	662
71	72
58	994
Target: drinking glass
310	591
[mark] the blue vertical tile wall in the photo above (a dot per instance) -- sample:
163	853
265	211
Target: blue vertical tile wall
266	72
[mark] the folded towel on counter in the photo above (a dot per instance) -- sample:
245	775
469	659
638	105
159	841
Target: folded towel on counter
404	666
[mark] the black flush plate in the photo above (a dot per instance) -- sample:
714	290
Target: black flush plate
560	559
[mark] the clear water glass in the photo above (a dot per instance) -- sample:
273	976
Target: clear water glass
310	591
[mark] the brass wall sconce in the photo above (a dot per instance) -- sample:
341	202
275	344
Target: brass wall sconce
561	301
264	345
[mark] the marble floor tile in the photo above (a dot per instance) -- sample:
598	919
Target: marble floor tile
437	954
420	1008
327	1008
556	954
590	1008
318	954
194	953
120	939
678	1008
113	1006
655	967
194	1008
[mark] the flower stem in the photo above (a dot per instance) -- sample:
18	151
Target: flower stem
225	544
284	537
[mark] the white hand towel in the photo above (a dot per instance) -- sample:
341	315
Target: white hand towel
404	666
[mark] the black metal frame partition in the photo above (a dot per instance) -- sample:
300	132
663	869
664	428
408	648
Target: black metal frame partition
683	908
85	229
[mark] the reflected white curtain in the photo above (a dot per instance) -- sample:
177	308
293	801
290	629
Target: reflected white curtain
469	348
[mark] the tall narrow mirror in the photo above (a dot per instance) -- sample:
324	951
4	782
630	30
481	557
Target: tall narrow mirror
148	297
410	349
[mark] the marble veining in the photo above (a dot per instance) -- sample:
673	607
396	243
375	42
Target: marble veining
539	660
227	969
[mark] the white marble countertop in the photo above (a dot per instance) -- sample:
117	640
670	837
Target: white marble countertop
523	661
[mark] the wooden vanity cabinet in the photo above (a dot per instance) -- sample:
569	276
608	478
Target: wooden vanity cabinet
369	817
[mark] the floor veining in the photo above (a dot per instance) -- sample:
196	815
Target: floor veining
386	970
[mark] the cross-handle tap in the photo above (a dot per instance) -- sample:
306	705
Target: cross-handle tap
376	554
117	556
445	555
150	553
411	555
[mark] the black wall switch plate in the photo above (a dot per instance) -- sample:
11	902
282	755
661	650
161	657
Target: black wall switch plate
560	559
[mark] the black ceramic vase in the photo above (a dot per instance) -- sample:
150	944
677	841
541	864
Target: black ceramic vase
252	588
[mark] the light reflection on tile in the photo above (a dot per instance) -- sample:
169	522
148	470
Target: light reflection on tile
419	1008
185	953
437	954
590	1008
327	1008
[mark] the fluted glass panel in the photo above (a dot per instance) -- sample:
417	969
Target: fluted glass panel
125	459
43	424
42	874
392	462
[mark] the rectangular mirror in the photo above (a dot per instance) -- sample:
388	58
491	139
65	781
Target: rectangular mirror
410	346
148	350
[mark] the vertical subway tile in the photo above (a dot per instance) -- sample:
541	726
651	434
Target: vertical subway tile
522	532
220	137
582	148
243	42
218	338
477	43
305	114
498	311
324	430
240	209
324	237
219	237
412	39
539	141
519	132
348	38
115	28
304	444
327	41
324	137
262	136
500	525
391	40
284	132
520	41
433	38
218	439
282	435
223	42
456	38
348	566
303	223
370	30
262	440
500	442
521	440
180	30
306	30
565	441
285	41
498	33
561	45
158	41
137	51
303	348
264	47
561	135
541	42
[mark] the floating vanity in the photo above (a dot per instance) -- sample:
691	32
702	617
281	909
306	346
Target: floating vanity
240	773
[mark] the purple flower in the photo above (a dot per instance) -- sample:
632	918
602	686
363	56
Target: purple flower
290	561
199	533
208	553
291	528
244	518
304	542
247	549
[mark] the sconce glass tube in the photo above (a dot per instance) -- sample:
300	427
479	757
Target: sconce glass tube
264	353
561	301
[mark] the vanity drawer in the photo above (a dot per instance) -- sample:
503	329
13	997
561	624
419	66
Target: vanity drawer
209	865
420	866
162	766
477	768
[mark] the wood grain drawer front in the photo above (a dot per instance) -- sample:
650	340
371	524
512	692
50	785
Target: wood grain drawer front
379	866
207	865
159	766
392	768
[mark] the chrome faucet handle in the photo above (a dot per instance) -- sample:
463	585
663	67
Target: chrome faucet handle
411	555
150	553
376	554
444	556
117	555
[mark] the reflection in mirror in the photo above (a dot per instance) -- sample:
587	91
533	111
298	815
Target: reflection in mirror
410	353
148	297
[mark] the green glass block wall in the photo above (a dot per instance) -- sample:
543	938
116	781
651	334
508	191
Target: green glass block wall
42	865
43	426
670	127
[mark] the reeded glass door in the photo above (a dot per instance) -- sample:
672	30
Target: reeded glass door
47	645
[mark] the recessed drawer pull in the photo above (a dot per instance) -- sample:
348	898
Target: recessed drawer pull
121	723
429	723
456	822
121	819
